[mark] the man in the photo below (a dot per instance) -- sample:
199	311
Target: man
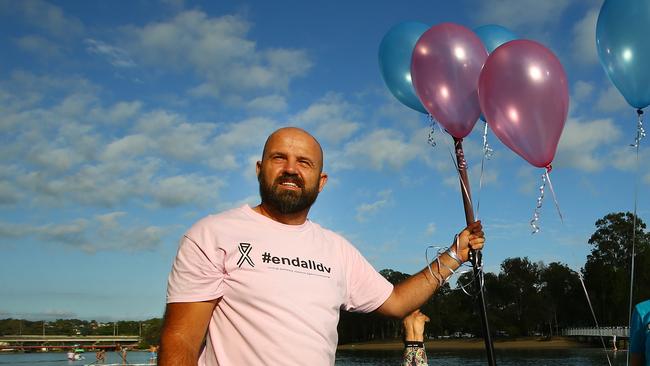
267	284
640	335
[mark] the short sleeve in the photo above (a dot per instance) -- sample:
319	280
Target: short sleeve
367	289
637	333
197	274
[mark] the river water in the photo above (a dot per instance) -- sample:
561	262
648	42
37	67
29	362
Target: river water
569	357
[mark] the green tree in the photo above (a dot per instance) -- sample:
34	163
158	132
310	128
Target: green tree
151	332
519	281
561	292
607	271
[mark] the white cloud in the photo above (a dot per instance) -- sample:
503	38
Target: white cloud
116	56
74	106
75	150
248	169
529	179
171	136
9	194
268	104
611	100
39	46
120	111
127	147
71	234
332	119
581	144
10	230
430	229
103	232
368	209
582	90
185	189
624	157
584	38
23	96
377	149
109	221
490	177
57	159
44	16
251	201
397	114
521	13
218	51
243	136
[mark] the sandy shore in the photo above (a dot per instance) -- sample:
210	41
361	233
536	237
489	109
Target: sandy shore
476	343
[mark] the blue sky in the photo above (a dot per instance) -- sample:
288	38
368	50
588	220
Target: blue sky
124	122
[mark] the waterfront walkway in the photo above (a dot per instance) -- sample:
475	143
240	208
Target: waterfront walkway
620	332
63	341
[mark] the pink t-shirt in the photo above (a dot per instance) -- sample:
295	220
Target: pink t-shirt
281	288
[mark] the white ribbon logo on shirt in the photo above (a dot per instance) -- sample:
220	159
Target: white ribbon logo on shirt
245	249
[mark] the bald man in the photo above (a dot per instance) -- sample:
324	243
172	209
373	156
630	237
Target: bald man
264	285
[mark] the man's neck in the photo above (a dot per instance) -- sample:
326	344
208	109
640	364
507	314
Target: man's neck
297	218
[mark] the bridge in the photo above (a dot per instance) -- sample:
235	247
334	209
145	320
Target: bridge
605	332
24	342
621	332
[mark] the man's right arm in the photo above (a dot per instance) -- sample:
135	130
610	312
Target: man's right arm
183	332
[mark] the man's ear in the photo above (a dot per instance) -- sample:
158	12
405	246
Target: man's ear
258	168
322	181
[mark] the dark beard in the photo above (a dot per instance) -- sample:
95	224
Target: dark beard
286	201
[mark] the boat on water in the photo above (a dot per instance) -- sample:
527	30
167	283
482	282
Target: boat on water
75	354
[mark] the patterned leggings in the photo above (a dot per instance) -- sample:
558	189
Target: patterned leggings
414	356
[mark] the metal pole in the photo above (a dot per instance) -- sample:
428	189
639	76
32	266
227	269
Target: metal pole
475	256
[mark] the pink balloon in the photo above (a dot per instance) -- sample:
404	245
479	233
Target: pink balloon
445	66
524	96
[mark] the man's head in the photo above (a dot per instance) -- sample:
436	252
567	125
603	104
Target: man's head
291	171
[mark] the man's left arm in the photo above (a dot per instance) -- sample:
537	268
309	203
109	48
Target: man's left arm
411	293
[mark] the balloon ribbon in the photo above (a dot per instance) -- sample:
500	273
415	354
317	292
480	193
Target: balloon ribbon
538	207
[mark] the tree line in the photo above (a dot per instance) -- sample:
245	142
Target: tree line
533	298
525	298
148	330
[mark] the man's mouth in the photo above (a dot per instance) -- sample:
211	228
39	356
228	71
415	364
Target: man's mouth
290	183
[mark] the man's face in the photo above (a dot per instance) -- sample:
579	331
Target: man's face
290	172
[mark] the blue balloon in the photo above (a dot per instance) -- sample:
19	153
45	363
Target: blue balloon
493	36
395	62
624	48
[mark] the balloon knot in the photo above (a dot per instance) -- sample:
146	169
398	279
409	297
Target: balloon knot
639	111
549	168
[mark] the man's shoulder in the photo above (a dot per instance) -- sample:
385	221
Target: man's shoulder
333	236
219	221
643	308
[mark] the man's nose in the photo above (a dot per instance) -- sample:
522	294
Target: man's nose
290	166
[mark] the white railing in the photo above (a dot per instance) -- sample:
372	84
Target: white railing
597	332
